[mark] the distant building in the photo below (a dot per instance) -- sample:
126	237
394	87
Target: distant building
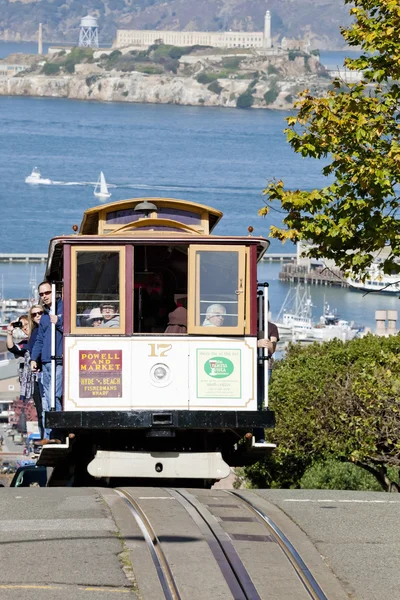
220	39
7	70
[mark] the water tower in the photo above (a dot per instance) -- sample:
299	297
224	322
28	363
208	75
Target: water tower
88	35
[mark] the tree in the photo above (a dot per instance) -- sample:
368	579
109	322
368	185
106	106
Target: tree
335	401
355	127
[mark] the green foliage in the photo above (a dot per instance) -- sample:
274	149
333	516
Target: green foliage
50	69
293	54
245	100
91	80
315	52
272	70
289	98
334	400
113	59
215	87
232	62
335	475
355	130
148	69
206	77
271	95
125	94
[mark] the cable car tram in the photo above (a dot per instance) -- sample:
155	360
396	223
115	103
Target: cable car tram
162	376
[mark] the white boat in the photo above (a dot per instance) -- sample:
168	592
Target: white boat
295	313
376	281
331	327
101	189
36	179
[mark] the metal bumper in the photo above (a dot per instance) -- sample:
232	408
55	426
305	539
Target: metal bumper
151	419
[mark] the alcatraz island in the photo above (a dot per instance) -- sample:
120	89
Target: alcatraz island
231	69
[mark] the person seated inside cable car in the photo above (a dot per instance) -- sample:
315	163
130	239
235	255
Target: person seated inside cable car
109	312
215	315
95	318
177	321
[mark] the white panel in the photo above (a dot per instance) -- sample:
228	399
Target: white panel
160	374
223	374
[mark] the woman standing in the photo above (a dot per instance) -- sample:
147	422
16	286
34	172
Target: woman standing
35	314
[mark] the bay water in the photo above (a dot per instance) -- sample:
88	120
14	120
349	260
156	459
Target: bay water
215	156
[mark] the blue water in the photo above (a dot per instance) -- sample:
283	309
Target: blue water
215	156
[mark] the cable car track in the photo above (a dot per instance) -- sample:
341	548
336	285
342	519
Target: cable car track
164	573
221	544
310	584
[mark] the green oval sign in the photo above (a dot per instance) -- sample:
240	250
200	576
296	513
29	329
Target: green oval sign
218	367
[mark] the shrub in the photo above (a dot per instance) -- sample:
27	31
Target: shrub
201	100
91	80
206	77
293	54
50	69
272	70
271	95
149	69
245	100
215	87
289	98
335	475
315	52
232	62
125	93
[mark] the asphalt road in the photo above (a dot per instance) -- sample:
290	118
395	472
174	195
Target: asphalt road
61	542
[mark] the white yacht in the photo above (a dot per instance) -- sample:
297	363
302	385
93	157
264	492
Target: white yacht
295	313
376	281
36	179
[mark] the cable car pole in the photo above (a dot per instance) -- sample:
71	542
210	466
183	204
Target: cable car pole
53	383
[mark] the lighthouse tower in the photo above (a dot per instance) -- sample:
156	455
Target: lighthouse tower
267	30
88	35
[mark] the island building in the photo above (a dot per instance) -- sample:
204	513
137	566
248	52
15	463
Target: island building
217	39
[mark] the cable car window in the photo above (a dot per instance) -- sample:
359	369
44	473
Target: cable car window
98	302
217	280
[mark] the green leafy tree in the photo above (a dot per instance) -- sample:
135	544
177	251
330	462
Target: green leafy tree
355	128
335	400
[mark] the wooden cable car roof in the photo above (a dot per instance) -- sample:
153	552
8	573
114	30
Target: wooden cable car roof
104	218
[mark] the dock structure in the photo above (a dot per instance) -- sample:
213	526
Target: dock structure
280	256
319	275
27	258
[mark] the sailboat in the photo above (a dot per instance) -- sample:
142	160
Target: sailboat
101	189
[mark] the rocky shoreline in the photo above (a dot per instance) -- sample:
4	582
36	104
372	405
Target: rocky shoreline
275	87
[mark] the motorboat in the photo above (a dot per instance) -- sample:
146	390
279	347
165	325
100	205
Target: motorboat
330	327
101	189
36	179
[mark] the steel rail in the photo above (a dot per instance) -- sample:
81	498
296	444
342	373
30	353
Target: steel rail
309	582
232	568
164	572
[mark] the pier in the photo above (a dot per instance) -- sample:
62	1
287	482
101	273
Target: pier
319	275
280	256
26	258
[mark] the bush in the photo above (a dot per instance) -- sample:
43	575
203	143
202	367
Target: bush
125	93
206	77
232	62
245	100
272	94
149	69
315	52
50	69
91	80
336	475
272	70
289	99
215	87
293	54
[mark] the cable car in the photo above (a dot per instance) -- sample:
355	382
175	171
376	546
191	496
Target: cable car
163	379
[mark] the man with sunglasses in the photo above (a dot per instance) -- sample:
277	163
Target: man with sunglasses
42	350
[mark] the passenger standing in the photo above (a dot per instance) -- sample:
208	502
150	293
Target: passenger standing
35	314
42	350
269	344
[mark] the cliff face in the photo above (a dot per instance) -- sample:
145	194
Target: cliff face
319	20
155	89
